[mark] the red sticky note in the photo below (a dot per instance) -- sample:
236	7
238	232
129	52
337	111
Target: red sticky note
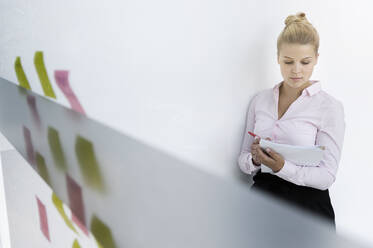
43	219
34	112
76	200
62	79
29	146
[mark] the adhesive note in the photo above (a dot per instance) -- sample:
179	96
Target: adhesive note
31	102
21	76
43	219
42	168
98	244
76	244
43	75
88	164
79	224
102	233
29	146
59	206
56	149
75	199
62	79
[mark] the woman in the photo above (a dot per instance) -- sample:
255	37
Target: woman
297	112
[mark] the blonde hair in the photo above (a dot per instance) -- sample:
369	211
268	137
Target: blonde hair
298	30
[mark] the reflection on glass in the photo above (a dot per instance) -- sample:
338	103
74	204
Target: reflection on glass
21	76
31	102
77	222
102	233
56	148
75	199
59	206
29	146
43	75
89	166
42	168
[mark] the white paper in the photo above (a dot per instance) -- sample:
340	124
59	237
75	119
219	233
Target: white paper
300	155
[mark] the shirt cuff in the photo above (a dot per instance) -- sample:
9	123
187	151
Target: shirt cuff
287	171
252	166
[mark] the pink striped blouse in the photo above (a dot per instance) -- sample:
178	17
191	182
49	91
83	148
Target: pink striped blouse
314	118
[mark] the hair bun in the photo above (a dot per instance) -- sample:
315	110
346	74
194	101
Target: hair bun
299	17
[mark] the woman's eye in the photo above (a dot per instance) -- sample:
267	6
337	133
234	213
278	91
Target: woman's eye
304	63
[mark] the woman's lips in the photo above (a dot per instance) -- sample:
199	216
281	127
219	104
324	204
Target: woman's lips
295	79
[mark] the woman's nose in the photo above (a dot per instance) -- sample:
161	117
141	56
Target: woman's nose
296	68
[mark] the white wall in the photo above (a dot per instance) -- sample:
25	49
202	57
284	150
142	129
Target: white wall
4	226
179	74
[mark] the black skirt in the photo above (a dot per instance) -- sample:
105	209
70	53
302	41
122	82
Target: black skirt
310	199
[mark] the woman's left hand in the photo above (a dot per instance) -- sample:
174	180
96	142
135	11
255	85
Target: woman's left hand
271	159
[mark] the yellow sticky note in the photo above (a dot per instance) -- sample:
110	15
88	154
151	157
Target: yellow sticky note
88	164
42	168
59	206
102	233
21	76
43	75
56	148
76	244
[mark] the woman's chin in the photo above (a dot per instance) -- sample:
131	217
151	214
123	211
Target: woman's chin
296	85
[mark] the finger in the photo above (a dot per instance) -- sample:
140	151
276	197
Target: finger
256	140
273	153
263	157
254	147
268	138
256	160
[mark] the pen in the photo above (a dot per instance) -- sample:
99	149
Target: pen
253	134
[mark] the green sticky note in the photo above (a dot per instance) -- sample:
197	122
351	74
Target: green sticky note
59	206
102	233
43	76
76	244
22	79
88	164
42	168
56	148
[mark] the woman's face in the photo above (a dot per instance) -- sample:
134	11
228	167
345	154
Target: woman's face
296	63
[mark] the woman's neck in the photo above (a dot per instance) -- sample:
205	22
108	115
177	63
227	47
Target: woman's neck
292	93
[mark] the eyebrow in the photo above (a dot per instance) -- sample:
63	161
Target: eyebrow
293	58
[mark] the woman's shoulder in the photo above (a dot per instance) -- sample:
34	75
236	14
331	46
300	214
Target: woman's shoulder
329	100
330	106
263	94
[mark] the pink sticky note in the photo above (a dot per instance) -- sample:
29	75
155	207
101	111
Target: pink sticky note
79	224
29	146
76	200
62	79
43	219
34	112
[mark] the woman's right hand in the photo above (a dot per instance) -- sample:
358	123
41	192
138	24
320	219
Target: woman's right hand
254	151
